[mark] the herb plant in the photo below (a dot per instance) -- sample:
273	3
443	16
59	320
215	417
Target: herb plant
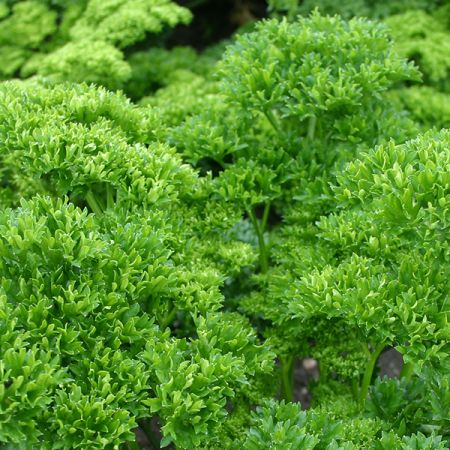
181	229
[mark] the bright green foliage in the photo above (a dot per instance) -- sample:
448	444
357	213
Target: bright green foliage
195	381
92	149
79	41
296	72
91	294
87	61
428	106
280	426
420	441
124	22
423	38
28	377
101	356
414	442
420	29
288	108
377	272
23	28
66	302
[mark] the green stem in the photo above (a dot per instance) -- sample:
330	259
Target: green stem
169	318
94	203
265	217
407	371
264	257
263	250
312	127
367	377
109	196
291	14
287	377
273	120
221	163
292	9
323	377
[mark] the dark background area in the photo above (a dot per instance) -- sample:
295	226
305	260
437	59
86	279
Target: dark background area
215	20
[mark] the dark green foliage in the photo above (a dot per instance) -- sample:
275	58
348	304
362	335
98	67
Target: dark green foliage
408	407
158	68
377	9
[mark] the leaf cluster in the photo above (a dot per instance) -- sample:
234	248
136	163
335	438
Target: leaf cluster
79	41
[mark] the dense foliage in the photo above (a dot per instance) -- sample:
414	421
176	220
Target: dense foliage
180	230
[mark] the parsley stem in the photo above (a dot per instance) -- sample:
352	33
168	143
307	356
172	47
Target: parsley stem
273	120
367	377
93	203
109	196
264	250
287	377
407	370
312	127
265	216
292	10
260	229
169	317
